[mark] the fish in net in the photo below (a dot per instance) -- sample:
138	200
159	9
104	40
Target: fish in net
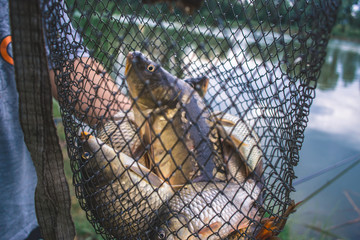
218	92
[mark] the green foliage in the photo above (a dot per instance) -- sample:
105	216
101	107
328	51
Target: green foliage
277	14
56	109
345	13
348	23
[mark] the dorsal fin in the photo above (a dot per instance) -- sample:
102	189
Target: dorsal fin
200	84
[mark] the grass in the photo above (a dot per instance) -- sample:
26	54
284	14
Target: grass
323	226
315	230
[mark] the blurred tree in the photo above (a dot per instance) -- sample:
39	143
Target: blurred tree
356	14
329	75
345	16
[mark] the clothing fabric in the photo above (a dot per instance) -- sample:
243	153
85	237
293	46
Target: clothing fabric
17	172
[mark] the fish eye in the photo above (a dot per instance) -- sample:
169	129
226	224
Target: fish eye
161	234
86	155
151	68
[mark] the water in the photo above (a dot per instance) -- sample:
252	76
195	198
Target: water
333	134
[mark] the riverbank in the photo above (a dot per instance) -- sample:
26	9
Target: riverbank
346	32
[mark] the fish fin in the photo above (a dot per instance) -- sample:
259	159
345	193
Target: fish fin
268	229
144	172
259	169
147	160
210	229
137	152
177	186
243	225
200	84
148	141
237	142
219	117
271	226
226	122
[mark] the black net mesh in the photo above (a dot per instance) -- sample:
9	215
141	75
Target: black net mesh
184	119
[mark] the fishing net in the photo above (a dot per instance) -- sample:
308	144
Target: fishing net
208	152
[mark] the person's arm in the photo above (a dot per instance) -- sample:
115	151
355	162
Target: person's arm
96	95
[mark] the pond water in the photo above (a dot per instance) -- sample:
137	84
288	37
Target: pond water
333	134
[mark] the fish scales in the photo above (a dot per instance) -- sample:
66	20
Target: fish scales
177	104
128	195
247	140
240	147
120	133
210	210
181	147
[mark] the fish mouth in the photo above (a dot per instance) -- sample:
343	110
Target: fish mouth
85	136
128	64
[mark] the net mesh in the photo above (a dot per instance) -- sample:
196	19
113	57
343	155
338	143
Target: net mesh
205	149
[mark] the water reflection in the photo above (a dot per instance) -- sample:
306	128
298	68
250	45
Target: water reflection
332	135
336	107
339	62
329	75
350	63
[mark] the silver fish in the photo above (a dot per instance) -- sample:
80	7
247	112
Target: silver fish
211	211
122	194
120	133
240	147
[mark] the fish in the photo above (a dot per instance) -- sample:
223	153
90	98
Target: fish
200	84
172	120
122	194
236	142
271	227
240	147
209	210
242	157
119	132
